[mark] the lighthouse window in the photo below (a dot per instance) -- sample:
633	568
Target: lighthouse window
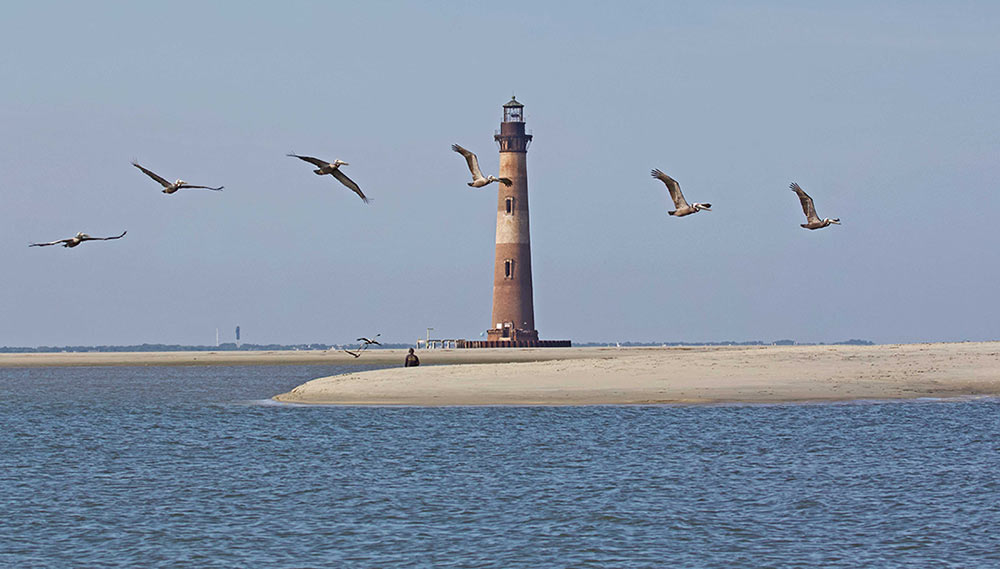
508	268
510	206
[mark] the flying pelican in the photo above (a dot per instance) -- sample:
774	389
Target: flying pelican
368	341
169	188
365	342
478	180
812	220
333	168
675	194
76	240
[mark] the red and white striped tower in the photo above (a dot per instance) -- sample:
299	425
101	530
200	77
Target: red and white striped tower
513	307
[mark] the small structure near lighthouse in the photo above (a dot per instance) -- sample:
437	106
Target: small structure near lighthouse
513	317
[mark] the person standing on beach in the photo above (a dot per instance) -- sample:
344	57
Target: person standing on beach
411	359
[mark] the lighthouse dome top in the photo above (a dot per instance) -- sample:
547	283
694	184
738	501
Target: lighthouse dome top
512	103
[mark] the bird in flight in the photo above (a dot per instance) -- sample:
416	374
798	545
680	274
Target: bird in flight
812	220
369	341
478	180
365	342
76	240
333	168
675	194
171	187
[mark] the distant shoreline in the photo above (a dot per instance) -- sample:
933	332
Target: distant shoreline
689	375
318	347
277	357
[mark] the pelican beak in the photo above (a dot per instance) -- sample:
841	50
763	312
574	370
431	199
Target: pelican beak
837	221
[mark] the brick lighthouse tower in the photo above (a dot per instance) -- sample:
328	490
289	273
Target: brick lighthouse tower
513	307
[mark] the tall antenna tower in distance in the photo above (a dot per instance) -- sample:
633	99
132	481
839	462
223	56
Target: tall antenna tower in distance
237	337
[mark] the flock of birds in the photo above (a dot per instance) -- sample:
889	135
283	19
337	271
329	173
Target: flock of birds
323	167
682	207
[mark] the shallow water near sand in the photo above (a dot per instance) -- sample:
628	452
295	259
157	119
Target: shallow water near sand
190	467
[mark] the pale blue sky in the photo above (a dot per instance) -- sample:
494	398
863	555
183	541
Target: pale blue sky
885	113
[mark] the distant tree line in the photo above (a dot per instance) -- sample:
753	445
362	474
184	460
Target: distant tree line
726	343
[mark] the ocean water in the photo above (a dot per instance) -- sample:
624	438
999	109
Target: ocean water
193	467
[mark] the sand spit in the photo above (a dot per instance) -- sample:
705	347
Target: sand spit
610	376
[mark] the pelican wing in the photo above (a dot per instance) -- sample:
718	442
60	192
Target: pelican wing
50	243
89	238
807	203
349	183
151	174
472	161
673	187
187	187
310	159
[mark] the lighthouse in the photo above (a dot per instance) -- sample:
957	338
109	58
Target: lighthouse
513	307
513	320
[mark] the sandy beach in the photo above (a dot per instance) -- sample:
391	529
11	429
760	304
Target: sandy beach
611	376
608	376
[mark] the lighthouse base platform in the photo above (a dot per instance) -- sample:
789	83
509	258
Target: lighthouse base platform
514	344
507	338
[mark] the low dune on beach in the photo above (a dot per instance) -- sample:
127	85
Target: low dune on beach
611	376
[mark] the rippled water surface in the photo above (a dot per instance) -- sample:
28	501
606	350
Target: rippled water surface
190	467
